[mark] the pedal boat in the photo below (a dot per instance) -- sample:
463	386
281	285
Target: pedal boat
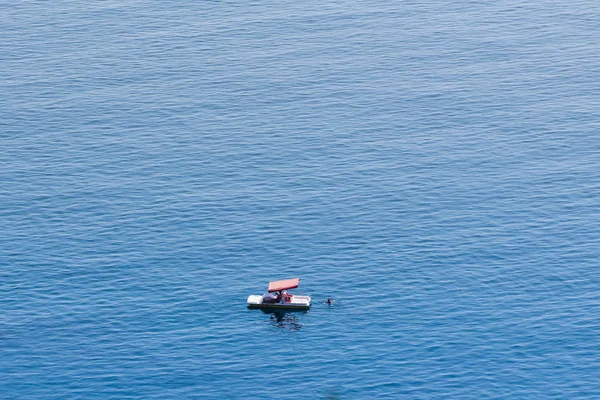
282	300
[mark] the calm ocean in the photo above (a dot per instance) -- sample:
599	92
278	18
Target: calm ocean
433	166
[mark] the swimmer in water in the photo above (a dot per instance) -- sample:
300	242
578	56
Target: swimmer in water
329	301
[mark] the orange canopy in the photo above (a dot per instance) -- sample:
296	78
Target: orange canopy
285	284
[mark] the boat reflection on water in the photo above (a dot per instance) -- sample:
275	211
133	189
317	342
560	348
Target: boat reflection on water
287	320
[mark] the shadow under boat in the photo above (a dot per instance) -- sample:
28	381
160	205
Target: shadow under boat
285	319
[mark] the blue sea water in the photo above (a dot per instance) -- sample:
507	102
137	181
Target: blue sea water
433	166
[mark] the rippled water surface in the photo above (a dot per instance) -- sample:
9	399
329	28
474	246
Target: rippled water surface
433	166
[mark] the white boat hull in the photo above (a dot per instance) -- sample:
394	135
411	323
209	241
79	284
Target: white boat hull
295	303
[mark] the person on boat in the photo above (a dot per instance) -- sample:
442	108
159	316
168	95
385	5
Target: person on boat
270	298
286	296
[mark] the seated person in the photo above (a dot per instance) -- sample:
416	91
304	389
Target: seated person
286	296
271	298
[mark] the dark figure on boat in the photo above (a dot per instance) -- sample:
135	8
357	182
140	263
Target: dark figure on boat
270	298
282	295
